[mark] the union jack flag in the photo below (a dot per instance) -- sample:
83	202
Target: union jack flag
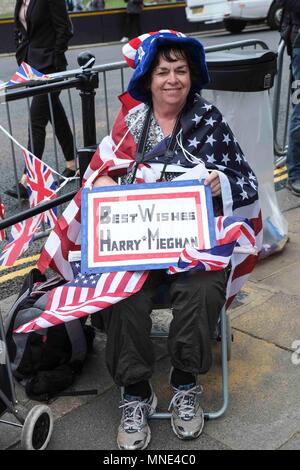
20	237
2	232
41	184
206	139
25	73
228	230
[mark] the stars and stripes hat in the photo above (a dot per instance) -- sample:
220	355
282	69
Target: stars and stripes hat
140	52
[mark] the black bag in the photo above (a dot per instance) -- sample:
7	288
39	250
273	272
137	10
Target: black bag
46	361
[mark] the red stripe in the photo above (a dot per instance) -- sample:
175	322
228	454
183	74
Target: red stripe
245	267
248	235
257	223
230	236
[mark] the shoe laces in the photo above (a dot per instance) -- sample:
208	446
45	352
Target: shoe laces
184	401
134	413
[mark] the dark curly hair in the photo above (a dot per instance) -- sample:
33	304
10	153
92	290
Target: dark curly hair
172	53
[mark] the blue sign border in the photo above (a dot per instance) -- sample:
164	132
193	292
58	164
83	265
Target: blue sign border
132	187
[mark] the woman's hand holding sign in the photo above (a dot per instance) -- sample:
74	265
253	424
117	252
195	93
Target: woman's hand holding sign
104	181
214	181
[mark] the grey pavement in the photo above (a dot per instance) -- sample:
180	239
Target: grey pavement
263	411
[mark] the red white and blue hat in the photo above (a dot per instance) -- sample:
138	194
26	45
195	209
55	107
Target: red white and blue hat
139	54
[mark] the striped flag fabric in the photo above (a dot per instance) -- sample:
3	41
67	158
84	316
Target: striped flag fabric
25	73
2	232
84	295
228	230
41	185
19	239
130	49
90	293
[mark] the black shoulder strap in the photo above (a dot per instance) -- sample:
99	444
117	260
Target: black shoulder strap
140	151
169	153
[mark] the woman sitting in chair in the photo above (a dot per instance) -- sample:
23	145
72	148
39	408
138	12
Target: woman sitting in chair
170	70
169	125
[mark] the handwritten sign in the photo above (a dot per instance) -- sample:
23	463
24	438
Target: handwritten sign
144	226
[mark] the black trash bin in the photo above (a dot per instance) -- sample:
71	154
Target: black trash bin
241	70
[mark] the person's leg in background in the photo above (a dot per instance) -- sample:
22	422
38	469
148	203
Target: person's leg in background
135	25
293	154
64	134
126	28
197	299
40	116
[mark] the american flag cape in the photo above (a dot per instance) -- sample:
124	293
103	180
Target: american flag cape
205	138
25	73
41	185
2	232
19	239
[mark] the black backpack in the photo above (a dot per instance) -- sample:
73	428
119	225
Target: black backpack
46	361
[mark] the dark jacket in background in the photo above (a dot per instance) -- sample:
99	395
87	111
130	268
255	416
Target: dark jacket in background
49	30
290	23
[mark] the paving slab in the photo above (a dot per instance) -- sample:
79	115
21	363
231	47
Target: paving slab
251	296
287	201
263	411
293	443
99	421
276	320
287	259
286	280
293	219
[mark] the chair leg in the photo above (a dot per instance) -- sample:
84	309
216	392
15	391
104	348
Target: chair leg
218	413
224	339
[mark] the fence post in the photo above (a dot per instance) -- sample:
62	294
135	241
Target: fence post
89	82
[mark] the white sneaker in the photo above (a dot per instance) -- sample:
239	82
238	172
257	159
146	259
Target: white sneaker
124	39
187	415
134	432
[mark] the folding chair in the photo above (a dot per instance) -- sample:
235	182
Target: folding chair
224	335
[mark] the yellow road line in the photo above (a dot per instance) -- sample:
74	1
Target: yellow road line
29	259
14	274
280	170
280	178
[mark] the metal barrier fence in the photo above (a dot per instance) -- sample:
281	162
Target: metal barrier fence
97	111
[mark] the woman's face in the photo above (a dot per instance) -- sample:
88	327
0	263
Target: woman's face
170	83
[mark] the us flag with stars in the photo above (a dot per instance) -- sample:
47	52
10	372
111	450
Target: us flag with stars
205	139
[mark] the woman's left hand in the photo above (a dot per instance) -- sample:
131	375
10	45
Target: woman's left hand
213	181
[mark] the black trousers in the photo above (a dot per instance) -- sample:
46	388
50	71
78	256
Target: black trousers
132	25
197	299
40	116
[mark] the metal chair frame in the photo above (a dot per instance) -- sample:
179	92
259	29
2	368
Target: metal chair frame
225	338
